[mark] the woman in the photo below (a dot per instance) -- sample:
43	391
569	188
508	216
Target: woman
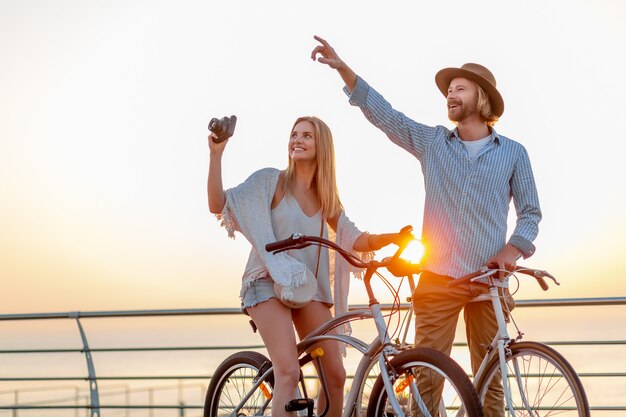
272	205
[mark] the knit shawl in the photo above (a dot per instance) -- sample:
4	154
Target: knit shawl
248	210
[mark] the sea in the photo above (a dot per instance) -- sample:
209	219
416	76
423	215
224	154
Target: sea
42	363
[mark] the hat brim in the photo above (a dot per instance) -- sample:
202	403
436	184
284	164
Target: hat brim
443	78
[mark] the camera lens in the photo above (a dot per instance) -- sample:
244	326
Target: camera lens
214	125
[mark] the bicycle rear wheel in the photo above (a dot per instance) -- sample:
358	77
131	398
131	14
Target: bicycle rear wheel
423	369
233	381
541	381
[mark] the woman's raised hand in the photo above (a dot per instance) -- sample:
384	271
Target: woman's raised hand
216	148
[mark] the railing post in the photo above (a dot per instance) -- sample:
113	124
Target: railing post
181	401
17	395
127	399
151	401
76	400
93	381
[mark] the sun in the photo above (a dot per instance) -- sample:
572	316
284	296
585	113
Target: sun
414	251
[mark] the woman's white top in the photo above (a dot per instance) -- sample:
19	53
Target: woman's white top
287	219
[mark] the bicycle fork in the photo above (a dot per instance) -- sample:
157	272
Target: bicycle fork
383	362
503	352
391	392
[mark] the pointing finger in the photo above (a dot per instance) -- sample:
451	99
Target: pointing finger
320	40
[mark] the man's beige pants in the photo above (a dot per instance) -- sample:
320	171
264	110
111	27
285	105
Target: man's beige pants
437	309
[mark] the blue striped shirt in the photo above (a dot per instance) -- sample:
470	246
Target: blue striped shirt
467	199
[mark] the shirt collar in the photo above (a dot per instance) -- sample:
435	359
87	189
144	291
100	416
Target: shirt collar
494	135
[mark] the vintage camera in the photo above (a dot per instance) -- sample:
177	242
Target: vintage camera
223	128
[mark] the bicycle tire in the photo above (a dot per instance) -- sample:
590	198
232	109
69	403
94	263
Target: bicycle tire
459	396
365	389
232	381
549	382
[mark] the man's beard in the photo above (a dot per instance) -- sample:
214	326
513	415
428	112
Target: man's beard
461	112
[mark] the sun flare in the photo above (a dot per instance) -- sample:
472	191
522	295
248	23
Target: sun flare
414	251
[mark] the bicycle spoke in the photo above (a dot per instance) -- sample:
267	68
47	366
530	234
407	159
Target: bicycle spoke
548	385
542	384
429	384
233	382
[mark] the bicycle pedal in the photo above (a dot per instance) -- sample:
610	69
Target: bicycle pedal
299	404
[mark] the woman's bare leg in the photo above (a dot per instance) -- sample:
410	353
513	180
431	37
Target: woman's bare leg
275	326
306	320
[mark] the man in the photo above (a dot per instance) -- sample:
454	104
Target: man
471	173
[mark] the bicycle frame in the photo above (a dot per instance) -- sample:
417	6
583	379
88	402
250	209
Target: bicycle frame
381	345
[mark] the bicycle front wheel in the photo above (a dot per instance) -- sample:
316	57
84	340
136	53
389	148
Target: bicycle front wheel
426	382
541	381
365	389
233	381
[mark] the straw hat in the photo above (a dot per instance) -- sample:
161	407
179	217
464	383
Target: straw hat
477	73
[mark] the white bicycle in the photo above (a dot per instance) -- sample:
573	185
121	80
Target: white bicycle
536	379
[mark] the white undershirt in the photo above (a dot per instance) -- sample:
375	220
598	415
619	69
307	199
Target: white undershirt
474	146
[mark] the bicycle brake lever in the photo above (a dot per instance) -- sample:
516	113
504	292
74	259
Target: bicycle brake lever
539	275
546	274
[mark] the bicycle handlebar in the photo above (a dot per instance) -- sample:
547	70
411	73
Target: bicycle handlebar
485	272
299	241
285	244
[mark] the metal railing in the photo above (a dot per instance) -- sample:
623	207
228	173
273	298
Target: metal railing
92	405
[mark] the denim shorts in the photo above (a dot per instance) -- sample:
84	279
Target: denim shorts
257	292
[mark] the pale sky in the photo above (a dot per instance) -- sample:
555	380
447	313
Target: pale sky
104	108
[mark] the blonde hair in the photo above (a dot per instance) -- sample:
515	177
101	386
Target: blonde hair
325	179
484	107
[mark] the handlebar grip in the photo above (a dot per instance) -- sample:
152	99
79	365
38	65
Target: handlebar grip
538	275
406	229
282	244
